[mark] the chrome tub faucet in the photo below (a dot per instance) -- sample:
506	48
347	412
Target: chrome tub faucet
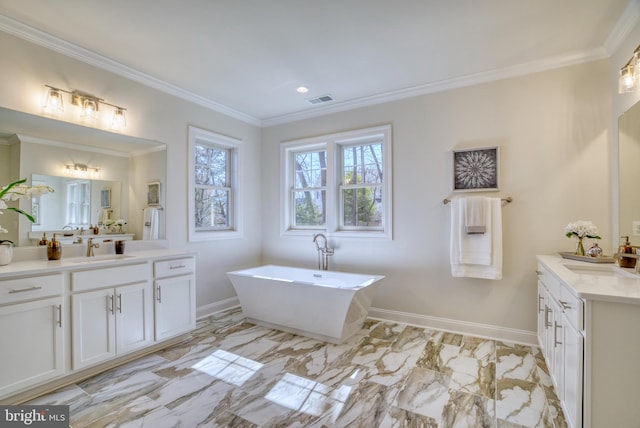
323	251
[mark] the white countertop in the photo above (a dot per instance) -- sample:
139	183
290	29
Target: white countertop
41	266
622	288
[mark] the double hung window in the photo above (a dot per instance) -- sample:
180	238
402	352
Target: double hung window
213	185
339	183
78	200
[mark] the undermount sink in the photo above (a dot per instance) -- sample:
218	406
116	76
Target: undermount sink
609	271
103	258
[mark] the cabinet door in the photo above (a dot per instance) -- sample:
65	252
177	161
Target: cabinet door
32	344
548	330
175	304
542	328
557	340
573	364
93	327
134	317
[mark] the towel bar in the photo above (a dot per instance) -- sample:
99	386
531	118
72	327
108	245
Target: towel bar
508	200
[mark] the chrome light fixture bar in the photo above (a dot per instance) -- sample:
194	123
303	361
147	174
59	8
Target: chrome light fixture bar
89	105
629	78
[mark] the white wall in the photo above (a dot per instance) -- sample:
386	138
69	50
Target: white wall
553	133
153	115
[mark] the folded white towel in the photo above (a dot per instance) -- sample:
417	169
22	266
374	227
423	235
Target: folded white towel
477	256
474	218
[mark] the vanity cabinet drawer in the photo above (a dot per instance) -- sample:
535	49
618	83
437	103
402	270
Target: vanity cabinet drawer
167	268
108	277
572	307
550	282
28	288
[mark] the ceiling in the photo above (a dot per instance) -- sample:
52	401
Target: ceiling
247	57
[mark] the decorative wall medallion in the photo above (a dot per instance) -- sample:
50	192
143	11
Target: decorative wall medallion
476	169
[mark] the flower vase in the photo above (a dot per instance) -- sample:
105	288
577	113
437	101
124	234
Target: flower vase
6	254
580	248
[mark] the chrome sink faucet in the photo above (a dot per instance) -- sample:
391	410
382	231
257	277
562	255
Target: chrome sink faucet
91	246
323	251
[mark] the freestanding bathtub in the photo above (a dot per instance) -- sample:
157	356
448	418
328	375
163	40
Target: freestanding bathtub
325	305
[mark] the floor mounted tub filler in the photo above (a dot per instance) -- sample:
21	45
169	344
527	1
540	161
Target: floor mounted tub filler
325	305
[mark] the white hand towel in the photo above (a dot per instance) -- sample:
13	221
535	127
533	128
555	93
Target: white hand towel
475	219
477	256
150	223
104	216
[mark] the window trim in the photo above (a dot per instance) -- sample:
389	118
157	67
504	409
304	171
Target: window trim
332	143
202	136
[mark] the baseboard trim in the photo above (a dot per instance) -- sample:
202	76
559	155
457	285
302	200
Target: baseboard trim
464	327
455	326
212	308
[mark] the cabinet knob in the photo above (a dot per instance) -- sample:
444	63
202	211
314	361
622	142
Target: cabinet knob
565	305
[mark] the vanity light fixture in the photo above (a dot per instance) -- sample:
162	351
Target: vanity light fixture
79	170
89	105
54	103
629	79
118	121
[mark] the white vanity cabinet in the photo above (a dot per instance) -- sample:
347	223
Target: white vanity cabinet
75	317
175	297
593	319
112	313
560	334
32	327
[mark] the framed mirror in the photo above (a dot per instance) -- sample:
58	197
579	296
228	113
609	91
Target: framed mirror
629	174
102	175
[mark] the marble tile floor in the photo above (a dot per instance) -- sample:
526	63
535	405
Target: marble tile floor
231	373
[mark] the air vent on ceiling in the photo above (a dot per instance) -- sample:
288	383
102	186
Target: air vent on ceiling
320	100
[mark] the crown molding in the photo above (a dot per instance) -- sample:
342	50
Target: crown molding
444	85
623	27
33	35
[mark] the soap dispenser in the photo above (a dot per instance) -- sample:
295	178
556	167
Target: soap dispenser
44	241
626	248
54	249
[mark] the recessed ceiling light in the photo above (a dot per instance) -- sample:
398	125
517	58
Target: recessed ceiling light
302	89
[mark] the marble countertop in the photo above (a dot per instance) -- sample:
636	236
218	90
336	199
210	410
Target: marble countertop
39	265
595	281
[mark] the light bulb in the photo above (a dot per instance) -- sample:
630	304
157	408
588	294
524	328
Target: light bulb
89	109
54	104
119	121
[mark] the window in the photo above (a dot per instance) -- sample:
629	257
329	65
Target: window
339	184
213	186
78	200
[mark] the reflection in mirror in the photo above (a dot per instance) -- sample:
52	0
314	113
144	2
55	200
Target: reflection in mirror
77	203
40	149
629	174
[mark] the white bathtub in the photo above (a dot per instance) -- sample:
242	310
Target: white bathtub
325	305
